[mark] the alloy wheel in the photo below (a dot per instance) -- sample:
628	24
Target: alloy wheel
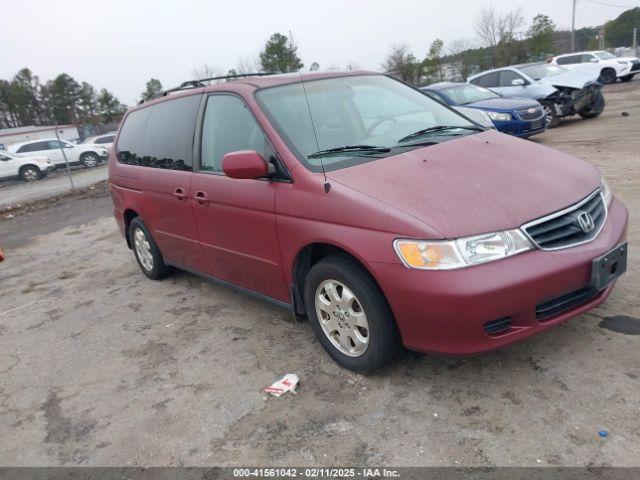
90	160
342	318
143	249
30	175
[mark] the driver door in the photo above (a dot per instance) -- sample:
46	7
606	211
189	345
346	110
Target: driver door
510	84
236	218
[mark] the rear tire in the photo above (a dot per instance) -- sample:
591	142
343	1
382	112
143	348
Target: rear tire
596	107
608	75
89	160
30	173
356	301
146	251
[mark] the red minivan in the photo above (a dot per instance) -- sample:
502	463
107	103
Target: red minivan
383	216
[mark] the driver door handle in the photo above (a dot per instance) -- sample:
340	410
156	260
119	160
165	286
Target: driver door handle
202	198
179	193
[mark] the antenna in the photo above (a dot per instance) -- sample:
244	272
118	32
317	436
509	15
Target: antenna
327	185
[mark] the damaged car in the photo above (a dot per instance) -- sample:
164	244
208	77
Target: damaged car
562	92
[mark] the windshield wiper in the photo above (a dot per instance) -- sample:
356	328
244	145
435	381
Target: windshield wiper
439	128
350	149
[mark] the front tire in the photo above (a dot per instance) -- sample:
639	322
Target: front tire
596	107
550	116
350	315
146	251
89	160
30	173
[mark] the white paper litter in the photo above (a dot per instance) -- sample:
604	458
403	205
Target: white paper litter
285	384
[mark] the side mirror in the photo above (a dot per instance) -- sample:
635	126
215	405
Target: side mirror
519	82
245	164
594	60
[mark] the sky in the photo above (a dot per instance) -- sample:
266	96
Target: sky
119	45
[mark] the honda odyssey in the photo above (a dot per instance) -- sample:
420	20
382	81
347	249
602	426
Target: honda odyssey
383	216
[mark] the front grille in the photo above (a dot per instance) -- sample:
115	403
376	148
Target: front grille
495	327
635	66
533	113
551	308
575	225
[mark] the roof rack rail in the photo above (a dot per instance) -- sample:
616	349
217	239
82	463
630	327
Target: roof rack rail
200	82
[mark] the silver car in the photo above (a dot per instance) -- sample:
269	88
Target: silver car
562	92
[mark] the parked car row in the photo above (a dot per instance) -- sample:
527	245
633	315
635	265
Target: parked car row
33	160
523	100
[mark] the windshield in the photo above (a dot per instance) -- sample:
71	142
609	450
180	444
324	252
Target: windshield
466	93
372	111
604	55
542	70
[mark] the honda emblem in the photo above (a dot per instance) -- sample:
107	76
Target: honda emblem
585	221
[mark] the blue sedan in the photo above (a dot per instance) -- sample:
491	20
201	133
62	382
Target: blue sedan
521	117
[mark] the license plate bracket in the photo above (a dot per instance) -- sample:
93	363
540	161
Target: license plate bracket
606	268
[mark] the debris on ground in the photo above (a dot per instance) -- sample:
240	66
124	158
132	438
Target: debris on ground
625	114
285	384
603	433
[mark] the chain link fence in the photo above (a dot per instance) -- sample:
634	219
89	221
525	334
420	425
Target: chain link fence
51	166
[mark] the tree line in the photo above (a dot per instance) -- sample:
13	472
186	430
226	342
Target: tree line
24	100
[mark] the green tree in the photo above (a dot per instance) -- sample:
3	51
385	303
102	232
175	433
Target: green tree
61	97
540	35
403	64
153	90
280	55
109	106
87	100
432	66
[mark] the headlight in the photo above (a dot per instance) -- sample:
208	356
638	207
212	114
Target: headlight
463	252
622	62
501	117
606	192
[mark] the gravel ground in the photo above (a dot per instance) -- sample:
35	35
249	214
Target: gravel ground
99	366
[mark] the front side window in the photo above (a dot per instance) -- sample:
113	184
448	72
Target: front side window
604	56
229	126
507	77
356	111
488	80
161	135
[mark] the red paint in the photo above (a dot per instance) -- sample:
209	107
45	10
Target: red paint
246	164
250	231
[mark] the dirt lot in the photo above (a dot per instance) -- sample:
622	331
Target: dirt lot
99	366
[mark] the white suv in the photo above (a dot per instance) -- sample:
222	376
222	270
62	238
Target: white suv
27	169
611	67
88	155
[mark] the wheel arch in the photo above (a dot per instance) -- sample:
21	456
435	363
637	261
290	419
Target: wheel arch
128	215
307	257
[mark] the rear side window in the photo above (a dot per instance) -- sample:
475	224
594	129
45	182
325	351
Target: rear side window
32	147
160	136
569	60
488	80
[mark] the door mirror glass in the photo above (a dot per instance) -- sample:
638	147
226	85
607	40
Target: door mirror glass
518	82
245	164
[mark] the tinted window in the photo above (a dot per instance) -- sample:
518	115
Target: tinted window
569	60
160	136
229	126
508	76
488	80
107	139
33	147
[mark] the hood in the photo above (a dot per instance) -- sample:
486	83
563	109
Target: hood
571	78
476	184
503	104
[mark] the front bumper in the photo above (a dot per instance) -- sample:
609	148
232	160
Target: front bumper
448	311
